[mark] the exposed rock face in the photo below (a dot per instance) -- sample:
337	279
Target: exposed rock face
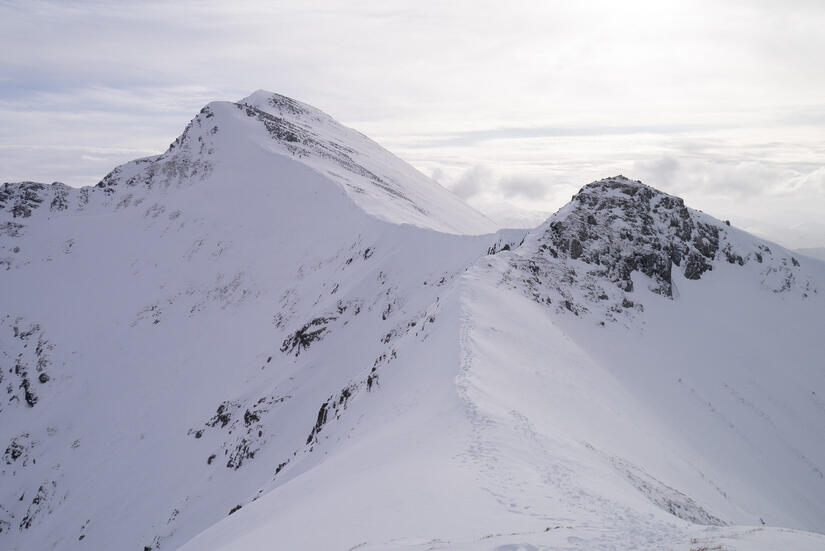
584	256
23	198
238	428
18	450
623	225
27	352
188	159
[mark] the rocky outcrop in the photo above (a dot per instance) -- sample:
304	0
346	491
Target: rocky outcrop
623	226
27	352
238	428
585	256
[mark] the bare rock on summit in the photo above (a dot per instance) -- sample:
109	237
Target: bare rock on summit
585	256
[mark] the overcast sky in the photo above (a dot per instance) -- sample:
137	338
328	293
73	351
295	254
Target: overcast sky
513	105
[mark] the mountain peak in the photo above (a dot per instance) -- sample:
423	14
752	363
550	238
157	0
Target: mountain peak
624	225
283	106
252	140
622	186
588	256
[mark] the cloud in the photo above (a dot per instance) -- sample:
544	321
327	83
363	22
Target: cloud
720	102
524	187
73	165
472	183
514	201
772	200
734	181
481	182
514	217
811	183
474	137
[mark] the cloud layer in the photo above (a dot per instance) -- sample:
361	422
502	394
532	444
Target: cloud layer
513	105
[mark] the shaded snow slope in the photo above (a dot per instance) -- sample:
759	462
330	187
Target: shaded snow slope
161	361
571	421
378	181
275	334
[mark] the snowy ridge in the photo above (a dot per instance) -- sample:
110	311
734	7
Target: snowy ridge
377	181
276	324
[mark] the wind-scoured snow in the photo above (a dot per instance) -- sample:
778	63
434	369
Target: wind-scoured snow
277	334
378	181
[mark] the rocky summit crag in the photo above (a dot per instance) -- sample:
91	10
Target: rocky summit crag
585	255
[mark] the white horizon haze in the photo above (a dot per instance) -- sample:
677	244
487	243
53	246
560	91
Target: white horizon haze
513	107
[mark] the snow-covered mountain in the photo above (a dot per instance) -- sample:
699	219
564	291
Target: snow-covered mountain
279	335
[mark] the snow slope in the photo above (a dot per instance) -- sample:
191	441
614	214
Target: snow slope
576	420
377	181
278	335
